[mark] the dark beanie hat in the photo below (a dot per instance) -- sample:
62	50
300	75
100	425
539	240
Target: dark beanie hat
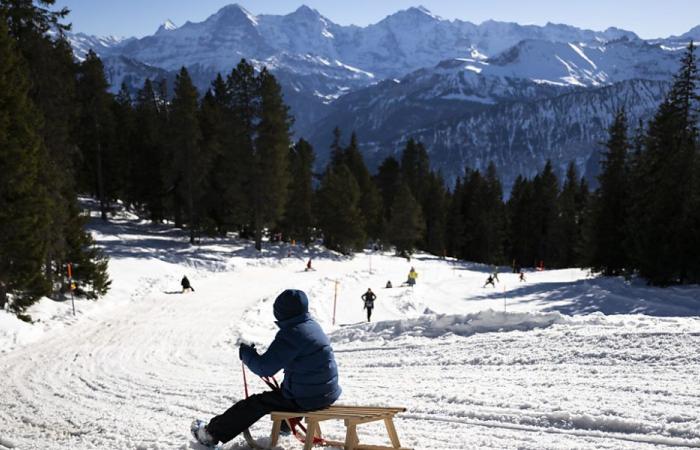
290	303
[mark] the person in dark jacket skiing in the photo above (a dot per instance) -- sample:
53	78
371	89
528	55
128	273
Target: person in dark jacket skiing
369	298
303	351
186	286
489	280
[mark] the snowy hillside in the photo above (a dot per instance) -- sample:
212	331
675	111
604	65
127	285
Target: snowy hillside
560	361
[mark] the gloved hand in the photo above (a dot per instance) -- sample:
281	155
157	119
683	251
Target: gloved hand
245	351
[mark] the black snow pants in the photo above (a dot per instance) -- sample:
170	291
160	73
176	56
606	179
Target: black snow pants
245	413
369	314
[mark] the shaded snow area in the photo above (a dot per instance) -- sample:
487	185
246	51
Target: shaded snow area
561	361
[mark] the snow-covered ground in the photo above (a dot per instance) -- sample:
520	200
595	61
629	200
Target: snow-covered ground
560	361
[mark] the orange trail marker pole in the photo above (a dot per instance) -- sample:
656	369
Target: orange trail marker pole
70	286
335	300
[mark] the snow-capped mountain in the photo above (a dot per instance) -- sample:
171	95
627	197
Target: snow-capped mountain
82	43
469	119
411	73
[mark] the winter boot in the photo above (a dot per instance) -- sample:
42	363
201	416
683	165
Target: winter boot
199	431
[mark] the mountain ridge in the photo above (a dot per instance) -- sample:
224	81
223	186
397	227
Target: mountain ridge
406	73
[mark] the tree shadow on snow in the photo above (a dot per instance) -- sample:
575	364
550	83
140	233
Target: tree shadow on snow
126	238
606	295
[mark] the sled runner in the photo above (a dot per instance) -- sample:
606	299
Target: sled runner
310	434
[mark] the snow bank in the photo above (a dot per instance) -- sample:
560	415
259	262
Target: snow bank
438	325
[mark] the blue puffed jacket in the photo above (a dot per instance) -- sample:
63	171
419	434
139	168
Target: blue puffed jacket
303	350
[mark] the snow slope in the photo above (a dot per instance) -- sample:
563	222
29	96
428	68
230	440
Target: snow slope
561	361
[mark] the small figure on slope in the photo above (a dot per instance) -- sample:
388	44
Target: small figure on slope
495	275
369	298
186	286
489	280
388	285
308	266
522	276
303	351
412	275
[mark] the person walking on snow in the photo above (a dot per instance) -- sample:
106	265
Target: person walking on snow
369	298
186	286
412	275
489	280
303	351
308	265
522	276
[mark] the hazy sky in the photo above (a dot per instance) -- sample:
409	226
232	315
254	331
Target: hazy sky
648	18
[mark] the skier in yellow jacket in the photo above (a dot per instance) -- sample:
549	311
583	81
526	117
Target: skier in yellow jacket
412	275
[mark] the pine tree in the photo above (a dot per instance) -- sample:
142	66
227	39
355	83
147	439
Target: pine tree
189	165
337	153
96	132
388	181
243	90
407	225
370	199
124	126
148	173
610	205
661	212
213	127
270	179
546	193
522	235
338	210
454	224
52	71
570	219
415	168
435	214
23	199
491	218
299	219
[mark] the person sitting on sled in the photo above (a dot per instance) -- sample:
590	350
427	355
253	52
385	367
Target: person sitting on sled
303	351
186	286
412	275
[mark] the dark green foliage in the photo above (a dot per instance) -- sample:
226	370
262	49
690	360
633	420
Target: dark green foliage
124	137
270	175
23	198
522	239
478	216
89	263
662	211
95	133
415	168
435	215
370	199
52	72
298	218
338	210
29	19
546	217
406	226
147	179
608	225
188	163
388	180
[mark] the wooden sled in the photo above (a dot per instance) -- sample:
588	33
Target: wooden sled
352	417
